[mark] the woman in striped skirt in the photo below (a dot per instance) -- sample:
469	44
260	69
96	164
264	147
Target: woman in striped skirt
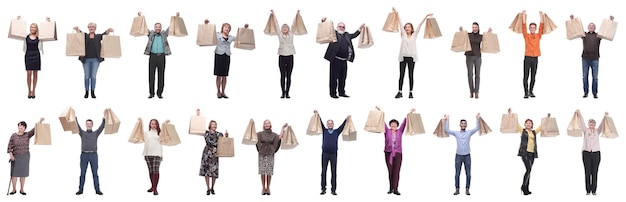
19	154
153	153
267	145
210	164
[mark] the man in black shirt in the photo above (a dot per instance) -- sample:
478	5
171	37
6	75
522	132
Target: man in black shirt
338	54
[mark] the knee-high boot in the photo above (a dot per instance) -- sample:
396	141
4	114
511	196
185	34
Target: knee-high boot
155	183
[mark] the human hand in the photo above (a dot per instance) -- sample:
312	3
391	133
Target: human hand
245	26
489	30
549	115
206	21
611	18
429	15
298	12
41	120
139	119
393	9
509	111
349	116
47	19
110	30
139	13
412	110
167	121
315	111
226	133
362	26
177	14
606	113
12	158
577	110
323	19
272	11
571	17
285	126
460	28
445	117
478	115
76	28
197	112
540	12
524	12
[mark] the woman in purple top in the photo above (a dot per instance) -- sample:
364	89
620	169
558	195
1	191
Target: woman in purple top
393	151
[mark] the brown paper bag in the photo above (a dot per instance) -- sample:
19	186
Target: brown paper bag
18	29
42	134
575	127
516	25
326	32
297	27
490	43
197	125
608	128
391	24
111	123
607	29
549	127
245	39
432	29
207	35
365	40
139	26
461	42
225	147
349	131
414	124
440	130
270	26
111	46
289	140
137	135
169	135
315	125
509	123
548	24
177	27
375	122
574	29
48	31
250	137
75	44
68	120
483	127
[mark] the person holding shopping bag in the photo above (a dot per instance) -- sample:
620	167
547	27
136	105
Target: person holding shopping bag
463	150
393	151
210	164
153	153
528	151
267	145
92	59
89	152
532	52
473	59
286	50
19	155
591	152
330	138
157	48
221	66
339	54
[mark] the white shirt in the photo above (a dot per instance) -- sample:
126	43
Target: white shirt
285	42
591	140
408	47
152	144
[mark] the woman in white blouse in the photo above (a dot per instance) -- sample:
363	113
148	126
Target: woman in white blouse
408	52
286	50
153	152
591	152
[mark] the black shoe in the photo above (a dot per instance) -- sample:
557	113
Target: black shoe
151	96
22	193
595	96
390	191
283	95
224	96
93	94
160	96
333	193
99	193
456	192
526	95
79	192
585	95
86	94
396	192
467	192
398	95
323	192
531	94
410	95
287	95
334	96
212	191
344	95
12	193
208	192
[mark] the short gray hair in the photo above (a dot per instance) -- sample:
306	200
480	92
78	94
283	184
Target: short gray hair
92	24
592	121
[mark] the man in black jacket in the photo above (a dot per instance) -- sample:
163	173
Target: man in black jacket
338	54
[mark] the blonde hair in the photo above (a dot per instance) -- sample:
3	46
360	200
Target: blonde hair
224	25
287	26
36	27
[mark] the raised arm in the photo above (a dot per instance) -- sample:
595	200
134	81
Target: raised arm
403	125
524	25
278	27
400	24
282	131
475	129
419	27
601	126
357	32
386	126
446	124
99	130
538	128
78	126
542	16
583	125
321	121
342	126
32	131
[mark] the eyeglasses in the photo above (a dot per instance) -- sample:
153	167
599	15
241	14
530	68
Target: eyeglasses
341	26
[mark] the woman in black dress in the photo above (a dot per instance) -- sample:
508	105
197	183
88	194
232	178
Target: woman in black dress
32	58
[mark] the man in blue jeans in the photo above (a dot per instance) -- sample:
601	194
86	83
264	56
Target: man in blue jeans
89	153
330	137
462	151
591	55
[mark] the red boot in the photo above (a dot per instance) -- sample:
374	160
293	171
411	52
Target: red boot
151	182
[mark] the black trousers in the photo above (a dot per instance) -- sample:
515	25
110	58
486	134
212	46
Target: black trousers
156	65
338	74
529	160
530	69
591	161
332	158
285	64
407	61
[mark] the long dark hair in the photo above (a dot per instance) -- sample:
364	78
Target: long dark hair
475	23
158	127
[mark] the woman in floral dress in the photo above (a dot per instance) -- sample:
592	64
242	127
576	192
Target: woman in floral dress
209	167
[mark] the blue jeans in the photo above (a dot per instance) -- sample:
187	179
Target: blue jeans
467	160
91	70
85	159
593	65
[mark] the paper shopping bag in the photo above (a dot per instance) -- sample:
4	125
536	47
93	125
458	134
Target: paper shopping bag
549	127
111	123
414	124
207	35
270	26
177	27
137	135
48	31
297	27
75	44
365	40
349	131
574	29
509	123
326	32
483	127
440	130
245	39
250	137
68	120
111	46
225	147
18	29
315	125
548	24
490	43
575	127
197	125
375	122
432	29
42	134
461	42
289	140
391	24
607	29
516	25
139	26
608	128
169	135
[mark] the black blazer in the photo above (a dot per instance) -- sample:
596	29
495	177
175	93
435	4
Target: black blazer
523	145
333	48
98	38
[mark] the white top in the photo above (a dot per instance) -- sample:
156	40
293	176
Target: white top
408	47
285	42
591	139
152	144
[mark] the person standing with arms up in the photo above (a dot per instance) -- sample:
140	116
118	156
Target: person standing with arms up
393	151
591	152
92	59
463	150
532	52
286	50
338	54
89	153
330	138
473	59
157	48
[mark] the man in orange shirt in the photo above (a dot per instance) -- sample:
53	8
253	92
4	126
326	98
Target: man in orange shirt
532	53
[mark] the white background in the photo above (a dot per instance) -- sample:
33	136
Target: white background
440	88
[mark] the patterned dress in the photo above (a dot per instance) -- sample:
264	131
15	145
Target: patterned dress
209	166
267	145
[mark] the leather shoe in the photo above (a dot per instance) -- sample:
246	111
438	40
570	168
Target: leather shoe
344	95
323	192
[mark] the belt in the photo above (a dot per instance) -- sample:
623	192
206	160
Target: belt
157	54
340	58
88	152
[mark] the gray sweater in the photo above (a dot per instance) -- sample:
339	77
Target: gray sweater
89	140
